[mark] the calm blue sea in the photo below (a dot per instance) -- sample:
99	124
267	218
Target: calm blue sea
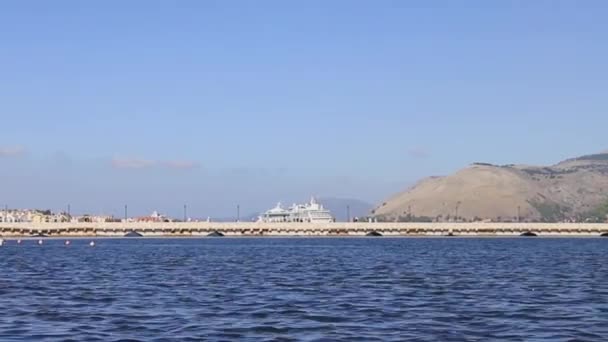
308	289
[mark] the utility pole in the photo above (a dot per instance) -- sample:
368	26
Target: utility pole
185	212
126	213
69	211
518	214
457	205
348	213
238	212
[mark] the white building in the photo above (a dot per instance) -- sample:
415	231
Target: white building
17	215
8	217
312	212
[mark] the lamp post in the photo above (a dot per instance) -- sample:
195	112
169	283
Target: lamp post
238	212
185	212
126	213
348	213
518	214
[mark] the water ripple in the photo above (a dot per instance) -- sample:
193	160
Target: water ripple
305	289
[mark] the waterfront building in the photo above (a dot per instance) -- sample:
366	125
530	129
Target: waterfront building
24	215
103	218
313	212
33	216
84	218
40	217
8	217
154	217
94	218
61	217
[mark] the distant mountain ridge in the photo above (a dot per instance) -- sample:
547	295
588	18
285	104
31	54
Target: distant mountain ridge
574	189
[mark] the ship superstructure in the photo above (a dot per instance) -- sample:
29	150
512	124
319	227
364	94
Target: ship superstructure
312	212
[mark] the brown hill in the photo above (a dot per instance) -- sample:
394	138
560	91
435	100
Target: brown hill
572	189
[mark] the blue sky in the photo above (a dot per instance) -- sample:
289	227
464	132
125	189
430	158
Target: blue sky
214	103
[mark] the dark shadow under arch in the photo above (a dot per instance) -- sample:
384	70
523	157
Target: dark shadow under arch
215	234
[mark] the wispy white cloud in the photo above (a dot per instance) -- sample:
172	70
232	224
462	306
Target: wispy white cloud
138	163
12	151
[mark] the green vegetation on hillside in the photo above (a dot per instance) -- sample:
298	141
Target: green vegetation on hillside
599	214
550	211
404	218
599	156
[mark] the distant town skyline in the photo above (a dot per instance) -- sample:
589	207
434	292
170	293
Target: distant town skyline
216	104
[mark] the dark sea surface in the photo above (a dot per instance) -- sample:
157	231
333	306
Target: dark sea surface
309	289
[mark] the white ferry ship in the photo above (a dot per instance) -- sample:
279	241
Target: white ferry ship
312	212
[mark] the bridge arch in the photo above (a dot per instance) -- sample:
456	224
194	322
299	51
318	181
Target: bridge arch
215	233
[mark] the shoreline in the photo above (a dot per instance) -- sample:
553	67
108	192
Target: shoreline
199	237
337	229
